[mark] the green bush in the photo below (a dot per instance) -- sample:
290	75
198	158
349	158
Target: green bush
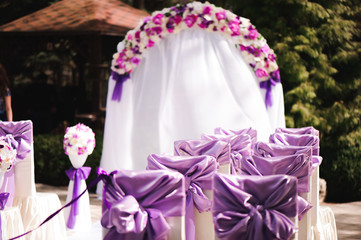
51	161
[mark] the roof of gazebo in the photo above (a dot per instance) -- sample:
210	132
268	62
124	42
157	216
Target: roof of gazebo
109	17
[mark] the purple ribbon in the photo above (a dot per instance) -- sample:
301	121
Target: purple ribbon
198	172
3	199
76	175
119	79
272	81
22	136
220	150
253	207
139	203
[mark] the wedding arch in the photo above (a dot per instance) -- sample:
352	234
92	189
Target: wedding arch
182	72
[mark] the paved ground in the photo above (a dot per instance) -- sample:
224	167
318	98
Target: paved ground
347	215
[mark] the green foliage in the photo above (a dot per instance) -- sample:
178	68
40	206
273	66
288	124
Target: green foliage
318	51
51	161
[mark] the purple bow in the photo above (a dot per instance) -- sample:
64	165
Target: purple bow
118	88
22	136
241	146
76	175
294	165
253	207
198	172
299	131
140	202
249	131
300	139
274	79
220	150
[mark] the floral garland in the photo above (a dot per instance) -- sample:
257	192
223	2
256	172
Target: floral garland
206	16
79	140
7	154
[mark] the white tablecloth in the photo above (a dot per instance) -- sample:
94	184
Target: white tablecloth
11	223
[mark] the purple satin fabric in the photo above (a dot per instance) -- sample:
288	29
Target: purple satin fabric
299	131
76	175
299	139
118	88
249	131
198	172
3	199
254	207
139	203
241	145
20	135
295	165
220	150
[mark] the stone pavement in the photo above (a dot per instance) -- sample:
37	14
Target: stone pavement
347	215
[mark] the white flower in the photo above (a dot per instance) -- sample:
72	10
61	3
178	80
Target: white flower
7	155
79	140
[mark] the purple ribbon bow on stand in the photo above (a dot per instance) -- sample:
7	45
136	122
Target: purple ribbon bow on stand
254	207
249	131
139	202
3	199
20	135
76	175
198	172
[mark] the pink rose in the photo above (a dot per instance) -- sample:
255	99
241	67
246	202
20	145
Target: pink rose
189	20
157	19
221	15
261	72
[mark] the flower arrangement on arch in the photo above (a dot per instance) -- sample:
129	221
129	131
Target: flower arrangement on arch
206	16
7	154
79	140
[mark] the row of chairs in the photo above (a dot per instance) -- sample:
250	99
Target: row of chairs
227	185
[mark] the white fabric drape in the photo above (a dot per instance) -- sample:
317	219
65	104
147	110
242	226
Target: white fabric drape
186	85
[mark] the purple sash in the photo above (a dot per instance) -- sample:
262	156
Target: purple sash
76	175
254	207
198	172
249	131
139	203
3	199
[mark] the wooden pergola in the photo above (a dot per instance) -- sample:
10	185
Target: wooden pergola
89	24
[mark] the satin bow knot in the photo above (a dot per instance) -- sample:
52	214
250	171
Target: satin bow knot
3	199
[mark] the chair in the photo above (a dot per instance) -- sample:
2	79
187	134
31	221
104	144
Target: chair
34	207
198	172
135	210
254	207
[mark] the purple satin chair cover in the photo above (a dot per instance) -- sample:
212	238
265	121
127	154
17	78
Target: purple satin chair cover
21	136
220	150
299	131
300	140
198	172
241	145
139	203
272	150
295	165
250	131
76	175
254	207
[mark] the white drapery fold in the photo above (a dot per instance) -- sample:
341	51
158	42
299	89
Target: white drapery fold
187	84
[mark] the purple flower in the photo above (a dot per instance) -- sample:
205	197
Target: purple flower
179	9
207	10
221	15
271	57
157	19
135	60
189	20
172	22
157	30
137	36
261	72
205	23
234	27
150	43
253	34
275	76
